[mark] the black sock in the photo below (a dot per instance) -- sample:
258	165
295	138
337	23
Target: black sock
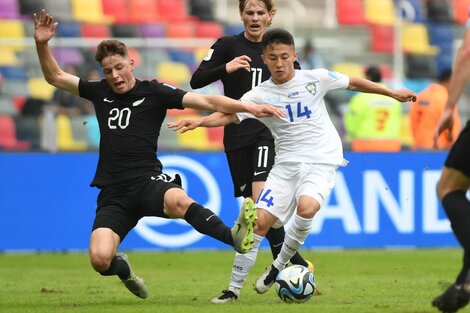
275	237
117	267
457	208
207	222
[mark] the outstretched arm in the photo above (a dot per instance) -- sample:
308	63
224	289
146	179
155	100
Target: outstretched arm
364	85
214	120
44	30
224	104
460	76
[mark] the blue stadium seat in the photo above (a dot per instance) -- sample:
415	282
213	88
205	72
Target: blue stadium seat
233	29
412	11
13	72
68	30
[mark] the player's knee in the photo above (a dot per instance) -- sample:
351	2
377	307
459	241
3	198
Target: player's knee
99	261
177	203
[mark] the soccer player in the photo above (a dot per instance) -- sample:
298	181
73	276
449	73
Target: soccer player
129	175
308	147
455	181
249	146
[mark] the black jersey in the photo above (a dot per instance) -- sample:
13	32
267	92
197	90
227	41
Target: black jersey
212	68
129	126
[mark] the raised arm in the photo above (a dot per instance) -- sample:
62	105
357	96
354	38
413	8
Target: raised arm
460	77
214	120
44	30
364	85
225	104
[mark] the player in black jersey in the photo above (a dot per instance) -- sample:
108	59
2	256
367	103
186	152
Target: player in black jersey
130	113
249	146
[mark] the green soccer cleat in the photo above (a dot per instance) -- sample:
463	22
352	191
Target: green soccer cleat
134	283
242	231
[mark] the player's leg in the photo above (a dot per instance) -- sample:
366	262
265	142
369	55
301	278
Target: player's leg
452	187
110	227
167	199
314	184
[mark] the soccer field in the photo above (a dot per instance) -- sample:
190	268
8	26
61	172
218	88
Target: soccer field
353	281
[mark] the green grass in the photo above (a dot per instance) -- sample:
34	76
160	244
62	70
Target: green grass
352	281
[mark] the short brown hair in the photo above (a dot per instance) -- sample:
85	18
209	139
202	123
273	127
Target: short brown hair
107	48
268	3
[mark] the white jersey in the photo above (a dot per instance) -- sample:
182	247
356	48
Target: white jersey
306	133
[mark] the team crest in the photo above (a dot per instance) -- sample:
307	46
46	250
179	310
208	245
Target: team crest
312	88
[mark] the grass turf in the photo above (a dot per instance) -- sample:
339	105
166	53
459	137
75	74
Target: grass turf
353	281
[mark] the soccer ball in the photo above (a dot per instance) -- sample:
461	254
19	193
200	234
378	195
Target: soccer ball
295	284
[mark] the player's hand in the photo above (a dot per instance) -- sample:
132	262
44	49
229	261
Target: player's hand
44	27
446	121
404	95
184	125
241	62
265	110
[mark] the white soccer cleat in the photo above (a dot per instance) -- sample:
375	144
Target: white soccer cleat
266	280
134	283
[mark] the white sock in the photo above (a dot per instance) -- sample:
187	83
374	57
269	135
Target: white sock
296	233
242	265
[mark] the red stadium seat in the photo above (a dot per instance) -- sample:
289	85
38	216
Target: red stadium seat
460	8
117	9
185	29
8	139
209	30
143	11
382	38
350	12
95	30
173	10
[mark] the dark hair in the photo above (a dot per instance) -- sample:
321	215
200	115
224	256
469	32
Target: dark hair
373	73
110	47
277	35
444	75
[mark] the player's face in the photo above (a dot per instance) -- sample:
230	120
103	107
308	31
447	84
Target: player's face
255	18
118	72
279	58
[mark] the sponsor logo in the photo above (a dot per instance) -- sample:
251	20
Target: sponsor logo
107	100
292	94
258	173
208	55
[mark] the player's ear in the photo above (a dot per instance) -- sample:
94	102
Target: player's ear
132	63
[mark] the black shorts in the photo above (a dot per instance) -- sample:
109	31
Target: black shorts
459	154
122	205
250	164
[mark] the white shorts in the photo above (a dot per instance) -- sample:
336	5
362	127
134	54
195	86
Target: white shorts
287	182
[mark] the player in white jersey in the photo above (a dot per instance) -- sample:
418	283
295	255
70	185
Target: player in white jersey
308	148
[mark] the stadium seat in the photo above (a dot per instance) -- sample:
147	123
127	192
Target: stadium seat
415	40
65	137
40	89
420	66
90	30
9	9
173	72
12	29
68	56
28	7
460	10
412	11
180	29
209	30
382	38
379	12
89	11
172	10
183	56
439	11
8	57
8	139
233	29
350	69
350	12
216	136
13	72
196	139
68	30
125	30
118	9
152	30
28	129
143	11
